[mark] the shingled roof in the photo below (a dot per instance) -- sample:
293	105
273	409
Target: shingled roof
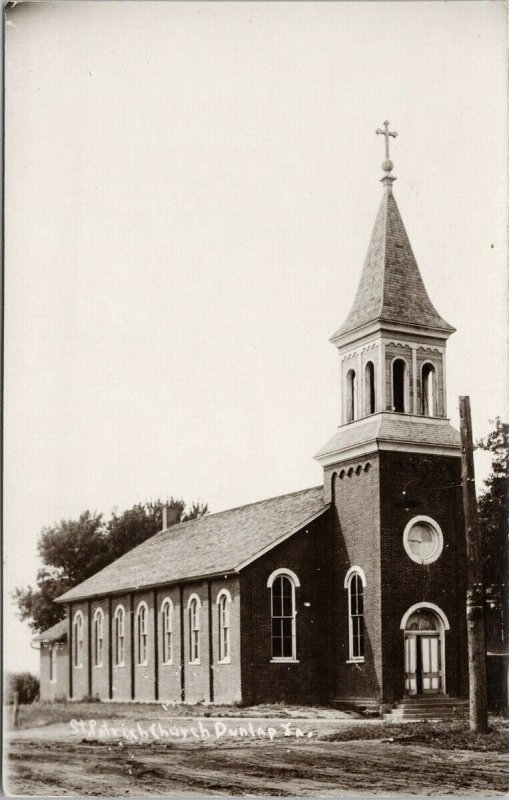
391	287
53	634
390	427
214	544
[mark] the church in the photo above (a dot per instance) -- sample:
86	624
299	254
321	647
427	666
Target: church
351	592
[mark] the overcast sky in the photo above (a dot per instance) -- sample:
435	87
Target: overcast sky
191	189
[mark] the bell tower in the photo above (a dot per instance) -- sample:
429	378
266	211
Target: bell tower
392	473
392	348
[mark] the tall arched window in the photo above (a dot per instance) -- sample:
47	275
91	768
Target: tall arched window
78	639
223	613
167	630
119	636
194	607
282	584
351	392
355	582
369	388
399	384
98	637
428	390
142	633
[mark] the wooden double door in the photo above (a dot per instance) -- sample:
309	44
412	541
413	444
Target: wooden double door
422	663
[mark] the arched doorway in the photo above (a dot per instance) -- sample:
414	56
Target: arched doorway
424	630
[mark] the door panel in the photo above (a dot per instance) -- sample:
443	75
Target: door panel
411	664
430	664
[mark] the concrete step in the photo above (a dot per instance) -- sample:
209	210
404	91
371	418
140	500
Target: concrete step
435	708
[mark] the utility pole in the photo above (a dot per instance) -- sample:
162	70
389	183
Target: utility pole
475	588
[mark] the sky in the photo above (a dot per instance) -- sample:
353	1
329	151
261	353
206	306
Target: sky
190	193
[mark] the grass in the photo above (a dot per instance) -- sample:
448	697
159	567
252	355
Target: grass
42	714
440	735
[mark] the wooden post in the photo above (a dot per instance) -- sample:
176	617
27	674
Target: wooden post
182	647
15	710
211	649
110	650
475	588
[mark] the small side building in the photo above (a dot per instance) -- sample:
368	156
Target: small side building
54	662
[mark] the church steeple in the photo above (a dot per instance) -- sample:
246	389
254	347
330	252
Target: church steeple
391	288
392	347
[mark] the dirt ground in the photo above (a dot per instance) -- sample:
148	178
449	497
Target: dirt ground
240	757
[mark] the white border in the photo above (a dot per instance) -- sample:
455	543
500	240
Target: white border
439	544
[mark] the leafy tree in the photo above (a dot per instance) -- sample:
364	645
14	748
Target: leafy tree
25	684
73	550
494	529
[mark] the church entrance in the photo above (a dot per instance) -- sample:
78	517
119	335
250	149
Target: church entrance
424	646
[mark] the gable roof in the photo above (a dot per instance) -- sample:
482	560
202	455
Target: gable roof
53	634
214	544
391	288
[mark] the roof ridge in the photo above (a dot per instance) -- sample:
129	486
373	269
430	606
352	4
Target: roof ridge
179	525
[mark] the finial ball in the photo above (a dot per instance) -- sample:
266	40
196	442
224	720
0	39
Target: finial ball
387	165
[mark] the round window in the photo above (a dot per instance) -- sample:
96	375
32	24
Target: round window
423	540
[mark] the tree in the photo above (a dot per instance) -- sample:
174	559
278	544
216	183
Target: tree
494	529
25	684
73	550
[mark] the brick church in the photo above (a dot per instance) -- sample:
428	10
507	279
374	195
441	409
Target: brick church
349	592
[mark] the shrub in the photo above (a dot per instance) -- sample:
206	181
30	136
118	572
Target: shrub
25	684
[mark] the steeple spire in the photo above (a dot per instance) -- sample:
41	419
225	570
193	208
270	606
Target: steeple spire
391	289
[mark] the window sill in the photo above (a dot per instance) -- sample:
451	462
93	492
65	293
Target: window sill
98	666
355	661
53	680
78	666
284	661
119	666
225	661
195	663
167	663
142	664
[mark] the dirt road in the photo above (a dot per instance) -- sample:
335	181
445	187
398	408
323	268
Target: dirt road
48	762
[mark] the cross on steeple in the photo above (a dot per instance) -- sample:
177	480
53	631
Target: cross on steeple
386	132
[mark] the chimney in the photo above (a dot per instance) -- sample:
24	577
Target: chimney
171	515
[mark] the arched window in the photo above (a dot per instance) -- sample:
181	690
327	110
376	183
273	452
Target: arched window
399	384
282	583
119	636
142	634
428	390
223	613
355	582
98	637
167	629
194	607
78	639
351	391
369	388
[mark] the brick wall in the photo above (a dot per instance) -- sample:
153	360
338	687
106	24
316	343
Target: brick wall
356	542
308	679
121	674
100	674
169	673
80	673
226	677
427	480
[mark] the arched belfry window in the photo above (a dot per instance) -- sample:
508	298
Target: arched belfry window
399	385
428	390
351	392
369	388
